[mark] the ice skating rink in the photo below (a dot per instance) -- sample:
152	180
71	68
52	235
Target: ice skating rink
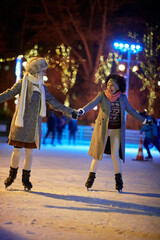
60	208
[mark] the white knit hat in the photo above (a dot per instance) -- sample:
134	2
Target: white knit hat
36	65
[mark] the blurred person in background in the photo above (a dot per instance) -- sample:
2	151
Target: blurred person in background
151	137
51	127
72	127
60	126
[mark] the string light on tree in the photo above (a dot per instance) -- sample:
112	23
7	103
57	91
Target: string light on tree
105	66
135	69
64	62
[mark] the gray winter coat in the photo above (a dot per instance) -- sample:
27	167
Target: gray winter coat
99	135
31	115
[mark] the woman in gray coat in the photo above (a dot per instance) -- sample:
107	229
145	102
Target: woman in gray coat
109	131
25	130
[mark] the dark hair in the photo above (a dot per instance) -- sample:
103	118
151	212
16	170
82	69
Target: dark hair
119	80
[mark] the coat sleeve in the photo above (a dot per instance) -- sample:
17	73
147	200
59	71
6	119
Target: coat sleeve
11	92
57	106
93	103
132	112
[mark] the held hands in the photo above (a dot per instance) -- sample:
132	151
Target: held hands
148	122
74	115
80	112
77	113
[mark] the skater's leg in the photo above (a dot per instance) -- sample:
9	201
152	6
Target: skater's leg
25	179
119	182
59	137
115	145
92	173
74	138
156	144
53	136
27	168
146	145
12	176
70	136
28	159
44	140
94	165
93	169
15	158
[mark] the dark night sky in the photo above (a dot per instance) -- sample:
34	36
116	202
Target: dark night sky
144	10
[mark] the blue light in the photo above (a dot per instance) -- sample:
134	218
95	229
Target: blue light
133	46
121	45
126	47
138	47
116	45
18	68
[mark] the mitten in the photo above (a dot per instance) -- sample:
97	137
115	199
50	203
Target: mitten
74	115
148	122
80	112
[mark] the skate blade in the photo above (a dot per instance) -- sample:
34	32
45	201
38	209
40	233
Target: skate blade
7	187
120	191
27	189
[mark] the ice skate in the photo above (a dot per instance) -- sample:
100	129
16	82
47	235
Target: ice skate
25	180
149	158
90	180
119	182
11	178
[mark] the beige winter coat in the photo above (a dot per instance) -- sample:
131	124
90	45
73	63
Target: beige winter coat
99	135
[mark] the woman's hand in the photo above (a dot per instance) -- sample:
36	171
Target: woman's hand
80	112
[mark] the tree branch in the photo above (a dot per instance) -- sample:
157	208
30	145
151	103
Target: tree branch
80	33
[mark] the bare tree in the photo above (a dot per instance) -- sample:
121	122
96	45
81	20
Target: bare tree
86	26
83	25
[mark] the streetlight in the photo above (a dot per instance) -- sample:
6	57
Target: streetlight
122	67
129	49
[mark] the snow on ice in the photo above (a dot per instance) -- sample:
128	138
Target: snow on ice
60	208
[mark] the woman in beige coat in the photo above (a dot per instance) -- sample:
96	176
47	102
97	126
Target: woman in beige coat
109	131
25	130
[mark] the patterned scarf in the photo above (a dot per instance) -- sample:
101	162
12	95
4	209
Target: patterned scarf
114	97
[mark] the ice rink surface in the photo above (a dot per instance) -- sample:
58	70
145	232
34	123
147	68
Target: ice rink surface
60	208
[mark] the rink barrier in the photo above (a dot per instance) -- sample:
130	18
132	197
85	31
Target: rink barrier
84	133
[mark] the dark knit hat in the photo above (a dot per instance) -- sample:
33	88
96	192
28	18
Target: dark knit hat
120	80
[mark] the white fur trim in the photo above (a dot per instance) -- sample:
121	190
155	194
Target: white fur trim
36	65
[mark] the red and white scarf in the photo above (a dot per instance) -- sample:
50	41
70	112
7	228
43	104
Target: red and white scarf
114	97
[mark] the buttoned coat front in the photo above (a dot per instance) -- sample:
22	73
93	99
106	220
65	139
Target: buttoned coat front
32	120
98	141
